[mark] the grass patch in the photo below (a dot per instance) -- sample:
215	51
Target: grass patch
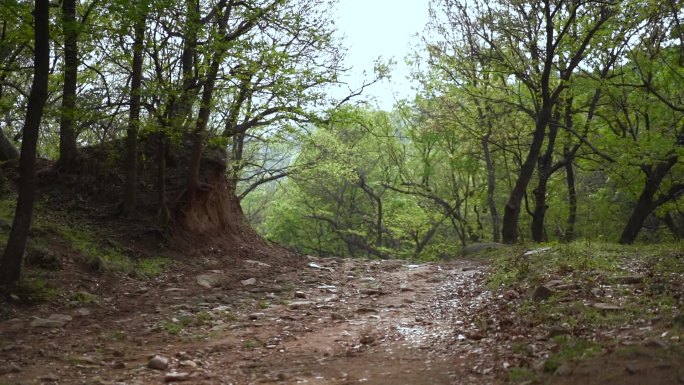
34	288
571	349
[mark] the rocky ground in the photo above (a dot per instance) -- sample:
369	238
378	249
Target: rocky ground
305	320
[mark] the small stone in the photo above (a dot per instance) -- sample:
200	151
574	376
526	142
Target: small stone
60	317
607	306
337	317
300	305
50	377
372	292
158	363
299	294
210	280
627	279
542	293
656	343
83	312
176	377
258	264
563	370
632	368
188	363
255	316
405	287
46	323
367	279
556	331
248	282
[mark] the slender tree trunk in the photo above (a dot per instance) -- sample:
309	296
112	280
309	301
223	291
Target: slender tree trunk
10	267
163	208
131	160
67	131
646	203
572	200
491	188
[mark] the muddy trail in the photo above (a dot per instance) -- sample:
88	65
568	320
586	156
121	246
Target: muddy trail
315	321
293	320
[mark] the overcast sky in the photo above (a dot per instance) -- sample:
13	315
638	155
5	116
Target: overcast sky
386	28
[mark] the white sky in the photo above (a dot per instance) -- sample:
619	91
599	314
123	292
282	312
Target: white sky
386	28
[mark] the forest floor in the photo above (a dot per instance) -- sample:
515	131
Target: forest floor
252	318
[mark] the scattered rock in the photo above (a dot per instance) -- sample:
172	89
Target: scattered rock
210	280
46	323
563	370
337	317
118	365
632	368
607	306
176	377
405	287
367	279
158	363
300	305
627	279
542	293
328	288
556	331
248	282
319	267
255	316
656	343
50	377
299	294
188	364
83	312
536	251
372	292
257	264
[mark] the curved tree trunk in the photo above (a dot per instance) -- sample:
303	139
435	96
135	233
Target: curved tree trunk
10	267
647	201
509	229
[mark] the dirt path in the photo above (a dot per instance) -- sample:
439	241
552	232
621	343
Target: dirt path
314	321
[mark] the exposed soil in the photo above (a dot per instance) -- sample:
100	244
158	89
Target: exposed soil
284	319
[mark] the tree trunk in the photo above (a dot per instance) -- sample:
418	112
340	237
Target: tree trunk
509	230
67	131
646	203
7	149
544	171
163	208
491	188
131	160
10	268
569	235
